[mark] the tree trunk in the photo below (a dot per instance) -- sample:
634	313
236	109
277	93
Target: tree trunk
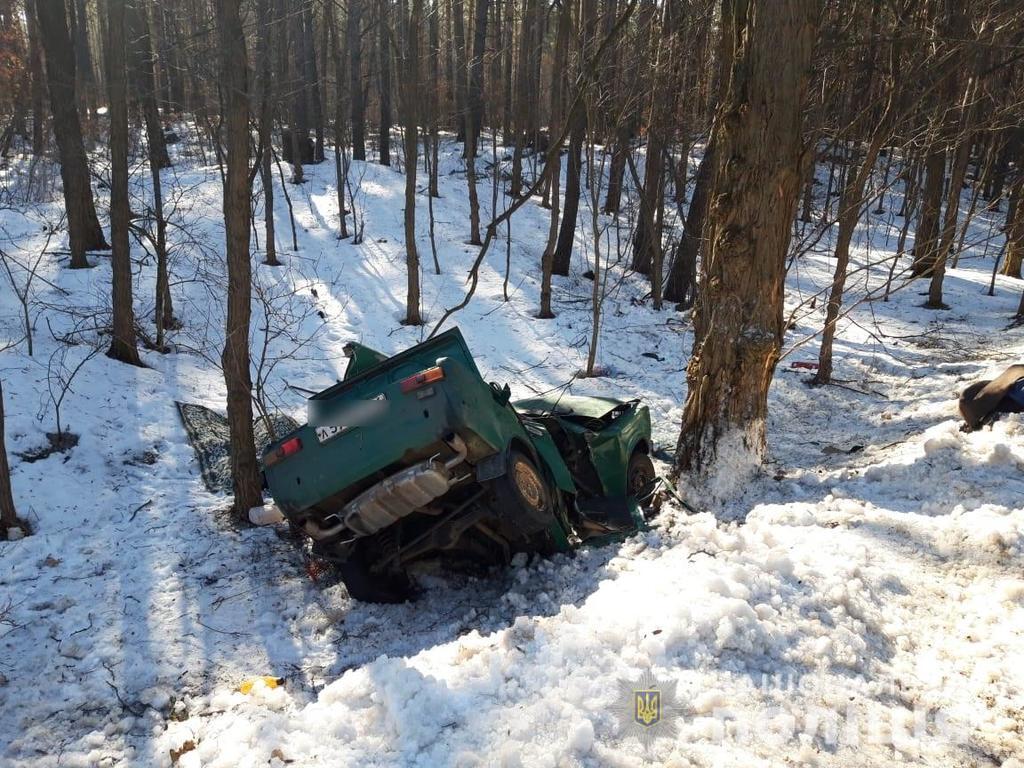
555	173
235	358
961	154
476	73
122	342
410	102
738	322
340	157
84	229
353	39
522	98
384	64
851	203
311	79
300	100
1015	231
926	236
681	286
8	514
85	86
35	54
143	68
264	47
459	66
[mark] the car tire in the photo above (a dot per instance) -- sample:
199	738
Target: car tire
523	489
640	476
368	587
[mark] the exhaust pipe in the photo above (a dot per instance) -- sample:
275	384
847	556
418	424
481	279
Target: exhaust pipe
394	497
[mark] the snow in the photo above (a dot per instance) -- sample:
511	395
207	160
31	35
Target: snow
860	603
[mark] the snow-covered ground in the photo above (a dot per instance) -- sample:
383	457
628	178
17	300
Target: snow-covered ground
862	604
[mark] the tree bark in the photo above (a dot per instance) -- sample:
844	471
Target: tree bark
84	229
738	322
384	65
122	343
8	513
410	102
300	99
476	73
264	45
143	68
926	236
86	81
353	39
1015	231
459	66
555	173
573	166
35	54
235	357
311	79
340	157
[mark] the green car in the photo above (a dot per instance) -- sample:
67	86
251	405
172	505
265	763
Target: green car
416	455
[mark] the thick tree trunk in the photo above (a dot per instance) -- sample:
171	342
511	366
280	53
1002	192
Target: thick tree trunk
84	228
86	79
573	166
555	172
311	80
738	321
35	55
353	39
522	97
122	343
476	73
577	133
459	66
384	65
1015	231
235	357
926	236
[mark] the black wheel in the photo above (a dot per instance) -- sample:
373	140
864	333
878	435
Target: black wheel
640	477
368	587
523	490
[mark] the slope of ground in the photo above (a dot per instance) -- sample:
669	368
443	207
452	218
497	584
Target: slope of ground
861	604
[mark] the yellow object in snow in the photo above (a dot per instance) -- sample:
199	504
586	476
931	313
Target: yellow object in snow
270	682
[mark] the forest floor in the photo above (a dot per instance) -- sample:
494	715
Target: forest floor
862	603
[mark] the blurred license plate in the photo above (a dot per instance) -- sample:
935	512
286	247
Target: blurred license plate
323	434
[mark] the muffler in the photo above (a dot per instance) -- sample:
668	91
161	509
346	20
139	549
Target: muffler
395	497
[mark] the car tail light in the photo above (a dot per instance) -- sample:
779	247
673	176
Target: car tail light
422	379
288	448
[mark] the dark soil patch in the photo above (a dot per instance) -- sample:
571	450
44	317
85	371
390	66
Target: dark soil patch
58	442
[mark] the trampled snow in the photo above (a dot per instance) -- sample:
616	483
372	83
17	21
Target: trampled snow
861	602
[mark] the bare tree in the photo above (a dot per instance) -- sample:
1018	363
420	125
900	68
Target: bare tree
235	358
410	114
84	228
122	342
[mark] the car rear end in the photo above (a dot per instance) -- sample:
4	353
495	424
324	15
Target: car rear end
387	442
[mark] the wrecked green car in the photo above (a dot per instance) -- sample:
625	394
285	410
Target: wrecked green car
416	455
